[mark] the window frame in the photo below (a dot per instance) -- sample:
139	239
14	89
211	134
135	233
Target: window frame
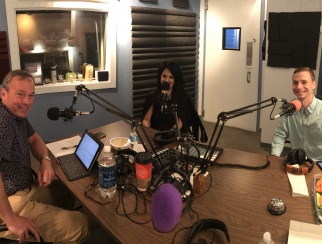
99	6
225	38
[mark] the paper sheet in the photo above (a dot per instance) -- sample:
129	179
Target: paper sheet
298	183
300	233
57	150
138	147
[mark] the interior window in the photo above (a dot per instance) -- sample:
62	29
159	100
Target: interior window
66	41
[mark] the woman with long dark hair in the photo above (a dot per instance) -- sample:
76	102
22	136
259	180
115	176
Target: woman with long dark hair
154	115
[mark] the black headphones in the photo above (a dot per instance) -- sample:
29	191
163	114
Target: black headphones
122	166
204	224
181	182
165	137
298	156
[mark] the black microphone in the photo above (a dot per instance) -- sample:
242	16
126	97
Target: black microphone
165	87
289	108
68	114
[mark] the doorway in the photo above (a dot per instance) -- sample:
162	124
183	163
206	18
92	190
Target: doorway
230	77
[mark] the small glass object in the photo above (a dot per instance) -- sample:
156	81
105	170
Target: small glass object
60	78
80	77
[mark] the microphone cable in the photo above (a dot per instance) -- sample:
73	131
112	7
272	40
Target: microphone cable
271	114
242	166
92	194
125	177
132	189
93	110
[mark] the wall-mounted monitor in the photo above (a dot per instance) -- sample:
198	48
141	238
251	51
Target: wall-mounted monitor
231	38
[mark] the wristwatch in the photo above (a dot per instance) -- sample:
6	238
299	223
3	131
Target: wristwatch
47	158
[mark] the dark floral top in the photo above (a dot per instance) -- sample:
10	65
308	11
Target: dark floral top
15	166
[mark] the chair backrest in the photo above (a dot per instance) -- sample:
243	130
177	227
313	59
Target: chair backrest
318	96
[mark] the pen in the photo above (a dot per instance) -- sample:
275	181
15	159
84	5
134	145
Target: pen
64	148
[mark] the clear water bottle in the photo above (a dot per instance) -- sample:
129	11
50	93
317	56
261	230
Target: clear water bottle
267	239
107	173
133	135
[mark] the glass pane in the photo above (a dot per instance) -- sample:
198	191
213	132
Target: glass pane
231	38
63	39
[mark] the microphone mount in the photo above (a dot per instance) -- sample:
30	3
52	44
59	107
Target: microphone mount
223	117
131	121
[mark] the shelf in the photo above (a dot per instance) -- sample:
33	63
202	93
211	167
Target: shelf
67	87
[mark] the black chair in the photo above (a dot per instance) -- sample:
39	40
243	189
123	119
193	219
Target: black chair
3	227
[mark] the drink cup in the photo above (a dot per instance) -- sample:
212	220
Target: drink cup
143	170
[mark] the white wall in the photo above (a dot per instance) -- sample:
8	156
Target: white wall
277	81
225	73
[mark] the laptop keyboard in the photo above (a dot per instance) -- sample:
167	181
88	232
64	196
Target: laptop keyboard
71	167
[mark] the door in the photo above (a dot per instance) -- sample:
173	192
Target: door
229	82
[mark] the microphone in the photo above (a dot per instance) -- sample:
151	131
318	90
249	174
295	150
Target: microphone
68	114
166	207
165	87
289	108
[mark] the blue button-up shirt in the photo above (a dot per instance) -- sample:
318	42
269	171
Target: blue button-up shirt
303	129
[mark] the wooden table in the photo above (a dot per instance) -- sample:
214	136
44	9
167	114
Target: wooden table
237	197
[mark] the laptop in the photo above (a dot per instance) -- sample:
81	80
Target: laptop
82	162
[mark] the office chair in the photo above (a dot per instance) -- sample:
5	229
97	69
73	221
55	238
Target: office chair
318	96
3	227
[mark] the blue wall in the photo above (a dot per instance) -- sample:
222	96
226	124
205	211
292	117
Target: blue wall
120	96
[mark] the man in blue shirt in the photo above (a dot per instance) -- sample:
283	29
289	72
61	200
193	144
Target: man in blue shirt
304	127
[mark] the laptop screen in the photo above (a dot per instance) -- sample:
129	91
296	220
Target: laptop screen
88	150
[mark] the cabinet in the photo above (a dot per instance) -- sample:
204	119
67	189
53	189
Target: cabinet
4	56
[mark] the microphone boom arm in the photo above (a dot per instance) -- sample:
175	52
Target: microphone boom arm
109	107
222	118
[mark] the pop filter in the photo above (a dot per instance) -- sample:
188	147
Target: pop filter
166	207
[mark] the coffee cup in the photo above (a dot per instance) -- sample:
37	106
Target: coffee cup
143	170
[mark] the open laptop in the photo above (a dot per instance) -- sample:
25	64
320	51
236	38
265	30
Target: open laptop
81	163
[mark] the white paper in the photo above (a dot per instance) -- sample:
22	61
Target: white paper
138	147
56	147
298	184
300	233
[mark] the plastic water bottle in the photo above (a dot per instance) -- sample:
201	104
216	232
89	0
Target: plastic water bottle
107	173
133	136
53	72
267	239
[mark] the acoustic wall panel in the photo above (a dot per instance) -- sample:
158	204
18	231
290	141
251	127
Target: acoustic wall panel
4	56
162	35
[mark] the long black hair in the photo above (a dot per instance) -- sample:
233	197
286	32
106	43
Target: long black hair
178	87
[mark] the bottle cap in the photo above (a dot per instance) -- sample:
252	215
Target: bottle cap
267	237
107	149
